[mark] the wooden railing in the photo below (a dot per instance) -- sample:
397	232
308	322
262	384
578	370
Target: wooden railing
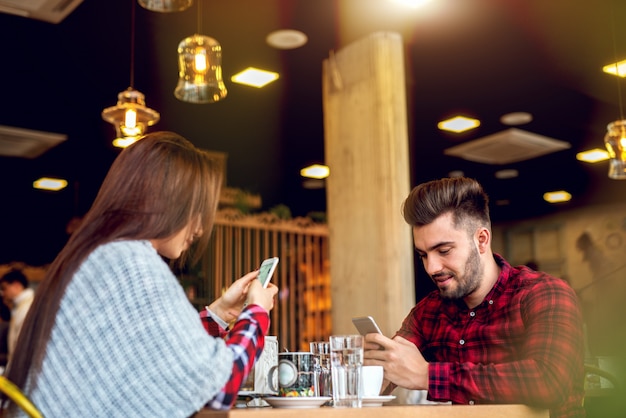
240	242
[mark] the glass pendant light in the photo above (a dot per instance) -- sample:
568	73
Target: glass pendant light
130	116
200	70
615	142
165	6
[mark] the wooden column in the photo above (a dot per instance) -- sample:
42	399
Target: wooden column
366	147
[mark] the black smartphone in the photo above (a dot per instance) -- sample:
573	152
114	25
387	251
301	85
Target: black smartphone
366	325
267	270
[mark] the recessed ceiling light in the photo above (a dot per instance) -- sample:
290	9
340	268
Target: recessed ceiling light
254	77
516	118
557	196
47	183
286	39
458	124
508	173
593	155
315	171
616	68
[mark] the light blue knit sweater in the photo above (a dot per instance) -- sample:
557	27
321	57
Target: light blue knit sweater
128	343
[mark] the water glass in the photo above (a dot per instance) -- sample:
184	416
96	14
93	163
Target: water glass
346	362
321	367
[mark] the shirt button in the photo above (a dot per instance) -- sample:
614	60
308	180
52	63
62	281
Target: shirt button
472	314
491	302
471	402
461	342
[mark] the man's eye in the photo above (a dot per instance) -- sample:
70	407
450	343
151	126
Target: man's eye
444	251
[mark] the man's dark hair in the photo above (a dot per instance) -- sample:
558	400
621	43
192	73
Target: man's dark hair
15	276
463	197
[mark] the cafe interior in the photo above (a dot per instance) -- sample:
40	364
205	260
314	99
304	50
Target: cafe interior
527	97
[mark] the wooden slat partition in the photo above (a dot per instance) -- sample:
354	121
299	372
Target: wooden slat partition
240	242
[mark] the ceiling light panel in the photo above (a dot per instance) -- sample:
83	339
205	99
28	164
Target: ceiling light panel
315	171
458	124
616	68
48	183
254	77
557	196
593	155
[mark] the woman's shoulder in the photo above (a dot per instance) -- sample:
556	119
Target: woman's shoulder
125	246
123	256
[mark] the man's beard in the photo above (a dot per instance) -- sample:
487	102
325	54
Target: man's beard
468	282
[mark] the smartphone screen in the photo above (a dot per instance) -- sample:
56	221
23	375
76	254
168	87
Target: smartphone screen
267	269
366	325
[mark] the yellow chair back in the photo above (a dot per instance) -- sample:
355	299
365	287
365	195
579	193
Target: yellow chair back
16	395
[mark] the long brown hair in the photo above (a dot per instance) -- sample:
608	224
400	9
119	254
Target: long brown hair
153	189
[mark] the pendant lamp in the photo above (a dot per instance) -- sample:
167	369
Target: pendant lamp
165	6
130	116
200	69
615	142
615	137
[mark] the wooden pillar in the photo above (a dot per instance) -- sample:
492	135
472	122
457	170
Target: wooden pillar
366	147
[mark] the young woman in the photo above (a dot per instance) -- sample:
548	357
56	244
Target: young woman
111	332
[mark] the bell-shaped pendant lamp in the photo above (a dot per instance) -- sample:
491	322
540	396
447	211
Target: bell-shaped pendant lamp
615	142
130	116
200	70
165	6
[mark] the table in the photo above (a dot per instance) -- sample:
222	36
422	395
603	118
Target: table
396	411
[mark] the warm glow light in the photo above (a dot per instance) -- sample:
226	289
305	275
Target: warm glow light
458	124
130	118
315	171
557	196
254	77
616	68
200	61
411	3
47	183
124	142
593	155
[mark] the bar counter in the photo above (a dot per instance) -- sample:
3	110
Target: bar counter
396	411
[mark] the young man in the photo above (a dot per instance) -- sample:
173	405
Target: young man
490	333
14	288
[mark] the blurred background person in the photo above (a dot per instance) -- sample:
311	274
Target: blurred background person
15	290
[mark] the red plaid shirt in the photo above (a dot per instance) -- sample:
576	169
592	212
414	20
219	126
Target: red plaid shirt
246	340
522	344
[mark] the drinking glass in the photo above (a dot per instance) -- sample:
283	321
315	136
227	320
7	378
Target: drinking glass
321	367
346	362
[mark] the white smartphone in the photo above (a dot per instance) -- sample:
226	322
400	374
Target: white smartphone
366	325
266	270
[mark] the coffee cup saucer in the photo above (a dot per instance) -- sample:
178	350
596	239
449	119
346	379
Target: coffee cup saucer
296	402
377	400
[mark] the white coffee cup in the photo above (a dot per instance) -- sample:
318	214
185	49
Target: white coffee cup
371	380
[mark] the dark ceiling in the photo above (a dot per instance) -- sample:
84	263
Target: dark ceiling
483	58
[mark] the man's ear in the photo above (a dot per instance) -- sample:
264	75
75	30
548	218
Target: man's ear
483	238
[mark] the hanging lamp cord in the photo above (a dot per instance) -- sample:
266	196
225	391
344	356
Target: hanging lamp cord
199	17
619	85
132	44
